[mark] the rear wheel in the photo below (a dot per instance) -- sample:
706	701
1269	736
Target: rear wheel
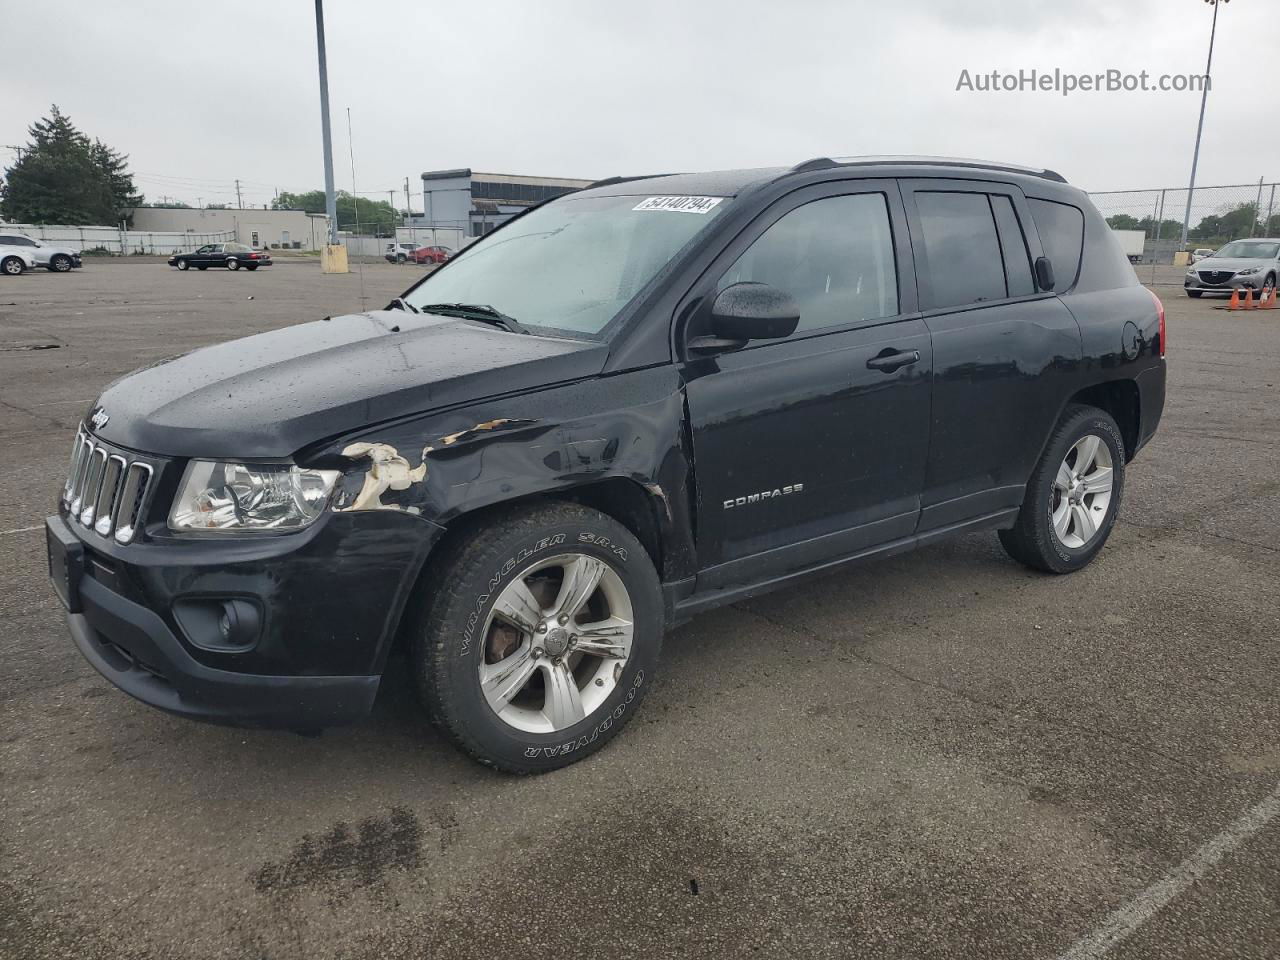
233	263
540	638
59	263
12	266
1073	496
183	265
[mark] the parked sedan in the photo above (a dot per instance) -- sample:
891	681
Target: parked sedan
233	256
433	254
14	260
54	257
1240	265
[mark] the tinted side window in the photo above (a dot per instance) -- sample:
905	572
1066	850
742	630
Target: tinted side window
1061	229
17	241
1013	245
834	255
960	242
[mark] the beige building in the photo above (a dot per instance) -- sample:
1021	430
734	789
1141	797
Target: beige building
262	229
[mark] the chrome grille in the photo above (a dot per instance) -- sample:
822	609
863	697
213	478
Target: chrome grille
106	489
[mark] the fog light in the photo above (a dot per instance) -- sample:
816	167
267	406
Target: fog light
223	626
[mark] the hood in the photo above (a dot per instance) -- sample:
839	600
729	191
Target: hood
1234	264
270	395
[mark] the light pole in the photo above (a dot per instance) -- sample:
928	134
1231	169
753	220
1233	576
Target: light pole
330	198
1204	99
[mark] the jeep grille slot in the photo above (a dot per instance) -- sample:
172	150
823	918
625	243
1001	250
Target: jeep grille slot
106	489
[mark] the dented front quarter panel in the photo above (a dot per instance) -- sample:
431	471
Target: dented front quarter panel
443	465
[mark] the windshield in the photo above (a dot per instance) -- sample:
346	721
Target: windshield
1249	250
572	264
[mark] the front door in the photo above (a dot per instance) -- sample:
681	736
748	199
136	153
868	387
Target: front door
813	448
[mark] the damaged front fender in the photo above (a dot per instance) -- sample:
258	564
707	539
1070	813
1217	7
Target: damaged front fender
555	441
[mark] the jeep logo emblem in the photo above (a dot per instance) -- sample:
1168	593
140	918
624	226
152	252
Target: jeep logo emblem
99	418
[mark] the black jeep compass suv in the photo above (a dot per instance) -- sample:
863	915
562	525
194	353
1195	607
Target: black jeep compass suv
626	406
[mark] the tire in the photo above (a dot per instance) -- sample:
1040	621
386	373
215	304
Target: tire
60	263
251	266
202	266
12	266
530	553
1036	540
233	263
1195	294
183	265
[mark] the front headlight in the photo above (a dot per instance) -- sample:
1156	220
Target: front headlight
240	497
1248	272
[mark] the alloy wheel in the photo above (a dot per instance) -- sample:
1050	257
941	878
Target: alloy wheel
1081	492
556	642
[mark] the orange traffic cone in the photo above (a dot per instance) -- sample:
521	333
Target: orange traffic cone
1235	300
1248	299
1270	303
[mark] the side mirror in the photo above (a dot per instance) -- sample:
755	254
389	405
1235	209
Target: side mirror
753	311
1044	273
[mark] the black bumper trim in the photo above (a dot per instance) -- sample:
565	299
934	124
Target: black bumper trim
134	649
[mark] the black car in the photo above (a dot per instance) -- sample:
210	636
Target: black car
233	256
626	406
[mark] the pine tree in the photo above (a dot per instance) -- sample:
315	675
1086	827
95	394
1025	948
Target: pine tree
62	177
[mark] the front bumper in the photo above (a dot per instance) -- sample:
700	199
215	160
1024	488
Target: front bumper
1253	282
327	625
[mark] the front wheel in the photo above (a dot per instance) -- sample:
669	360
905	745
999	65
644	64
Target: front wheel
12	266
1073	496
540	637
183	265
1268	286
233	264
59	263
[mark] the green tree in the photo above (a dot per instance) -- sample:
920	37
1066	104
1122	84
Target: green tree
63	177
1122	221
377	217
1239	221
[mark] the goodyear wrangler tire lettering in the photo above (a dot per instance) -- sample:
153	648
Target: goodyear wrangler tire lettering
454	648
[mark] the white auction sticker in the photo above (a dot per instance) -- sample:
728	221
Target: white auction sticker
679	204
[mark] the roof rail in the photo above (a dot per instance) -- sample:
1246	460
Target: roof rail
817	163
610	181
824	163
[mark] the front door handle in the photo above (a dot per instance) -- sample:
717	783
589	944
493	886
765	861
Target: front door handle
889	362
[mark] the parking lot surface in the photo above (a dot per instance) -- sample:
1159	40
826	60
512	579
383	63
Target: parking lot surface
938	755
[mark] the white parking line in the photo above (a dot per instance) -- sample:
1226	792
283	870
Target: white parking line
1145	905
5	533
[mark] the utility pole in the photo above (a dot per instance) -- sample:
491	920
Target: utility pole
330	198
1257	210
1204	99
408	207
391	202
239	202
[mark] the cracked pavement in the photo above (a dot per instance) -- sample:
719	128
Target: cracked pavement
941	754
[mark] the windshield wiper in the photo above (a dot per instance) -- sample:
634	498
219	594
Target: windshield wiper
476	311
400	303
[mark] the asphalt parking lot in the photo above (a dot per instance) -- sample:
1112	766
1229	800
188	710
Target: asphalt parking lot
939	755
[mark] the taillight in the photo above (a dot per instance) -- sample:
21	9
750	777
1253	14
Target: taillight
1160	313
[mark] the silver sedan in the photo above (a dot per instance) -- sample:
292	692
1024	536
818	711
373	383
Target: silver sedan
1240	265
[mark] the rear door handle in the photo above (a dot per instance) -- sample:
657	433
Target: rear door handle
889	362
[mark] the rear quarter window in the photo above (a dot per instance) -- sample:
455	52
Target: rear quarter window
1061	228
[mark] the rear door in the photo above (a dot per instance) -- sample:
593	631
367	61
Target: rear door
813	448
1004	351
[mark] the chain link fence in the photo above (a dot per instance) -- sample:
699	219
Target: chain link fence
113	241
1218	214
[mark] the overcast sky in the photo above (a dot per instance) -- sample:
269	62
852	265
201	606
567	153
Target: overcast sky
199	94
